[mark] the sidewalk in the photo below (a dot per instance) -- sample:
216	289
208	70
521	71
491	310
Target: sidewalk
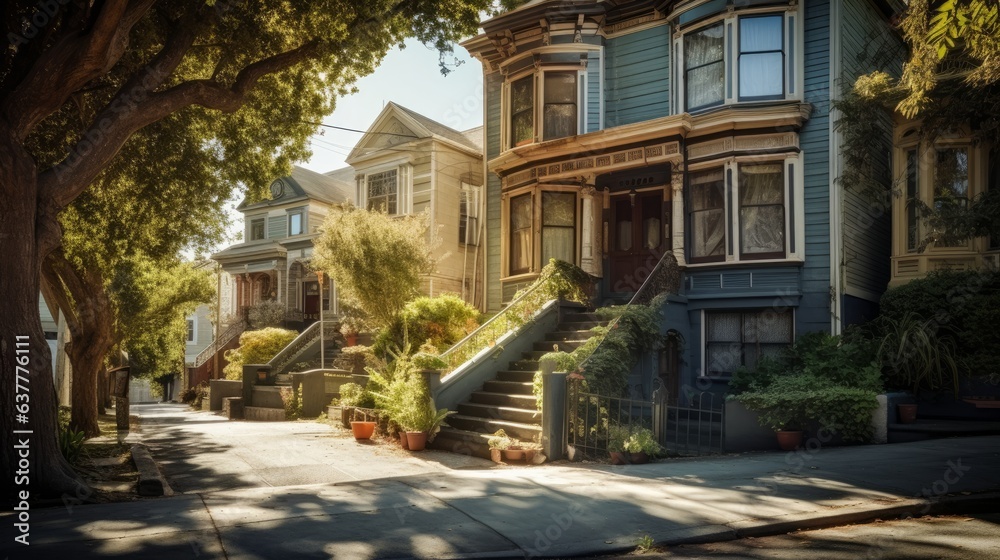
562	510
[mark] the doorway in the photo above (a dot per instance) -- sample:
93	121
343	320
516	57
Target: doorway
310	302
638	235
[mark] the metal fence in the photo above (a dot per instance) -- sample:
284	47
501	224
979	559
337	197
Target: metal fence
694	426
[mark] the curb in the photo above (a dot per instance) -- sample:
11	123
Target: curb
151	481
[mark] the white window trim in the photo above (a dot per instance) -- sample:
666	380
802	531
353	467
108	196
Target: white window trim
793	170
472	192
538	98
302	210
793	72
194	330
404	186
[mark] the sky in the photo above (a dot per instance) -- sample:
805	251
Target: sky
409	77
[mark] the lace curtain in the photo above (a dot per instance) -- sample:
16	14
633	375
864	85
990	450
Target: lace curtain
762	209
558	227
704	68
520	234
708	221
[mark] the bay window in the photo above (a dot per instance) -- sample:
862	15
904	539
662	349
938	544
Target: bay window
704	67
548	103
520	234
912	200
558	226
707	215
522	107
762	58
560	111
762	211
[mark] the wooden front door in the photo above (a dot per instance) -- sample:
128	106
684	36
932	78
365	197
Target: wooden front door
310	302
637	238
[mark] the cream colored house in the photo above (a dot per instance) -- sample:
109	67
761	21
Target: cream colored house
407	163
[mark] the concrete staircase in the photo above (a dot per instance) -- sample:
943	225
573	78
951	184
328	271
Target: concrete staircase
268	406
507	401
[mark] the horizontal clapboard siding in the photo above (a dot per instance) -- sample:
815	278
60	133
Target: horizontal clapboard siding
637	77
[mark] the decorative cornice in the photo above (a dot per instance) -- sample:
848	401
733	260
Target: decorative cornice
603	163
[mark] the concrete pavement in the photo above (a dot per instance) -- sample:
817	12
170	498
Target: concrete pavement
554	510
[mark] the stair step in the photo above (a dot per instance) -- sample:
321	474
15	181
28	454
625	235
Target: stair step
524	365
558	336
503	399
517	376
509	387
493	412
520	430
464	442
534	355
563	345
263	414
580	317
579	325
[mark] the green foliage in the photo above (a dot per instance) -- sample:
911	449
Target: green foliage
425	360
821	378
623	439
267	313
256	347
500	440
645	545
919	355
558	280
608	358
71	444
354	395
292	402
375	259
959	310
440	321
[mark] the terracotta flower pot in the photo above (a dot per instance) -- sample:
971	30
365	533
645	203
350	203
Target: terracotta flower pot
363	430
403	440
496	455
907	413
618	458
789	440
639	458
351	339
513	454
416	441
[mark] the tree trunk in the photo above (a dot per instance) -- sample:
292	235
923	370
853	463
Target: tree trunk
44	472
102	390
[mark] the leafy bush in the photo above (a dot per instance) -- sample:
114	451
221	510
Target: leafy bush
622	439
354	395
919	355
71	444
292	402
500	440
264	314
256	347
440	321
959	308
608	361
818	379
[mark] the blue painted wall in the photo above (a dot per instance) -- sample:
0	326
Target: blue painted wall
637	77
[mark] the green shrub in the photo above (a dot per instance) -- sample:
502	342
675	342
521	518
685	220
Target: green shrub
256	347
919	355
71	444
354	395
440	321
264	314
608	358
500	440
820	379
292	402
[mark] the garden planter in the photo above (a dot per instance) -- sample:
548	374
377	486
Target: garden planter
639	458
618	458
513	454
789	440
907	413
363	430
403	440
351	339
496	455
416	441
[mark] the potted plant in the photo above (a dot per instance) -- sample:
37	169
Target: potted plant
362	429
640	445
424	425
783	411
514	451
498	442
349	327
617	436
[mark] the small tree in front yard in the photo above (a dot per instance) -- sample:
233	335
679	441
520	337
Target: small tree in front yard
375	259
256	347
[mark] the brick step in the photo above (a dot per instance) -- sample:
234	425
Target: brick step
263	414
508	387
503	399
516	376
493	412
520	430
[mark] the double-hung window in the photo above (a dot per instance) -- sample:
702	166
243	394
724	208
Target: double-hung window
295	223
468	208
762	58
382	191
912	201
522	108
762	210
560	111
704	68
558	226
735	339
257	229
191	330
520	234
707	215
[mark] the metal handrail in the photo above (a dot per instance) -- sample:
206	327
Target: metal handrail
225	338
509	309
635	297
301	342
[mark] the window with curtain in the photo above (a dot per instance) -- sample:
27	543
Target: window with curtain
560	105
951	182
912	199
762	210
383	191
522	105
762	57
558	227
520	234
704	67
707	215
741	338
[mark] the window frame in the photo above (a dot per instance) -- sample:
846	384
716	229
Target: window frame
536	191
543	227
537	76
369	199
192	330
300	213
685	70
792	71
790	312
511	271
468	215
545	103
744	256
690	215
258	221
530	111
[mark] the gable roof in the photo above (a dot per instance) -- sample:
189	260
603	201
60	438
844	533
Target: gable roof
303	184
410	124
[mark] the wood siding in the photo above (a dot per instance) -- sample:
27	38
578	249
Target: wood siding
637	77
493	85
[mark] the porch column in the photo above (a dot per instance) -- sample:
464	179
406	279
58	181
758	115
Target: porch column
677	203
590	232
